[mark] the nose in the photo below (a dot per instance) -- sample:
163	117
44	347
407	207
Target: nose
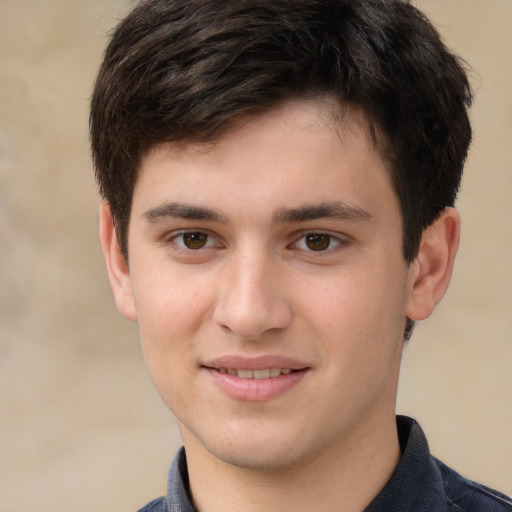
252	300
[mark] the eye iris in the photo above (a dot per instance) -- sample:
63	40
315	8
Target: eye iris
318	242
195	240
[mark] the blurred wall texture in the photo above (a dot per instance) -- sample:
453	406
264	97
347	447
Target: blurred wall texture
80	425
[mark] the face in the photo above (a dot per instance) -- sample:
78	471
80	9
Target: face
267	277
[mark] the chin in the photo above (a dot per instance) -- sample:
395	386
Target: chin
263	459
253	449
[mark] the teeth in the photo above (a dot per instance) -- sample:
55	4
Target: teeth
257	374
261	374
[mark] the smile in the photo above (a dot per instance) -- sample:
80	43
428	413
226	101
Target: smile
268	373
255	385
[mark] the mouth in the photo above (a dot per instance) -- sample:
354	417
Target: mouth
256	379
269	373
255	385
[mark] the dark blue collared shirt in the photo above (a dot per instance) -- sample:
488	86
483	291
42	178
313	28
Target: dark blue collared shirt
420	483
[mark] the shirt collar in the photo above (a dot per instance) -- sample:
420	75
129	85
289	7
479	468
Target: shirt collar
416	483
178	497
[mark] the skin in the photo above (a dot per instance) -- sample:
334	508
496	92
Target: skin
248	282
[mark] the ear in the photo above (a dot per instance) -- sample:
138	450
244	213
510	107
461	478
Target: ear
117	267
431	271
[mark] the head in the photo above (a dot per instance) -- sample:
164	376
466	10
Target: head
276	177
187	71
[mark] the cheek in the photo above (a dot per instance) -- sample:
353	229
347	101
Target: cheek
167	322
360	325
343	297
170	310
358	310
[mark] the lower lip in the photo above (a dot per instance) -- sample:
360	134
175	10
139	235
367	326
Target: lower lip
255	390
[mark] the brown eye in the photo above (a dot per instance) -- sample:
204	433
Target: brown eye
317	242
195	240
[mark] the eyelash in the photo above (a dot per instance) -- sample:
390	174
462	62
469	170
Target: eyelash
337	241
173	239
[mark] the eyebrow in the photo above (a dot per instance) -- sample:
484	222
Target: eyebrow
338	210
184	211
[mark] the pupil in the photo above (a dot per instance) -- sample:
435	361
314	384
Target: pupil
195	240
318	242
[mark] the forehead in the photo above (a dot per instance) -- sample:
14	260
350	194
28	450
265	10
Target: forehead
304	151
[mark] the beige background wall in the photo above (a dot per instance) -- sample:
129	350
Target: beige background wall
80	426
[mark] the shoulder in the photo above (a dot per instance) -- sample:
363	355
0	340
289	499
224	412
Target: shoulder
157	505
467	496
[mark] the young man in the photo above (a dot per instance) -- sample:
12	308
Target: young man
278	180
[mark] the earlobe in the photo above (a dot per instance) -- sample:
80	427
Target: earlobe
117	267
431	271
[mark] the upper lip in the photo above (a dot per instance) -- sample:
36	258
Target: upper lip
262	362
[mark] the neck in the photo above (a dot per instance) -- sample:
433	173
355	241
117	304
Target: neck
341	478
